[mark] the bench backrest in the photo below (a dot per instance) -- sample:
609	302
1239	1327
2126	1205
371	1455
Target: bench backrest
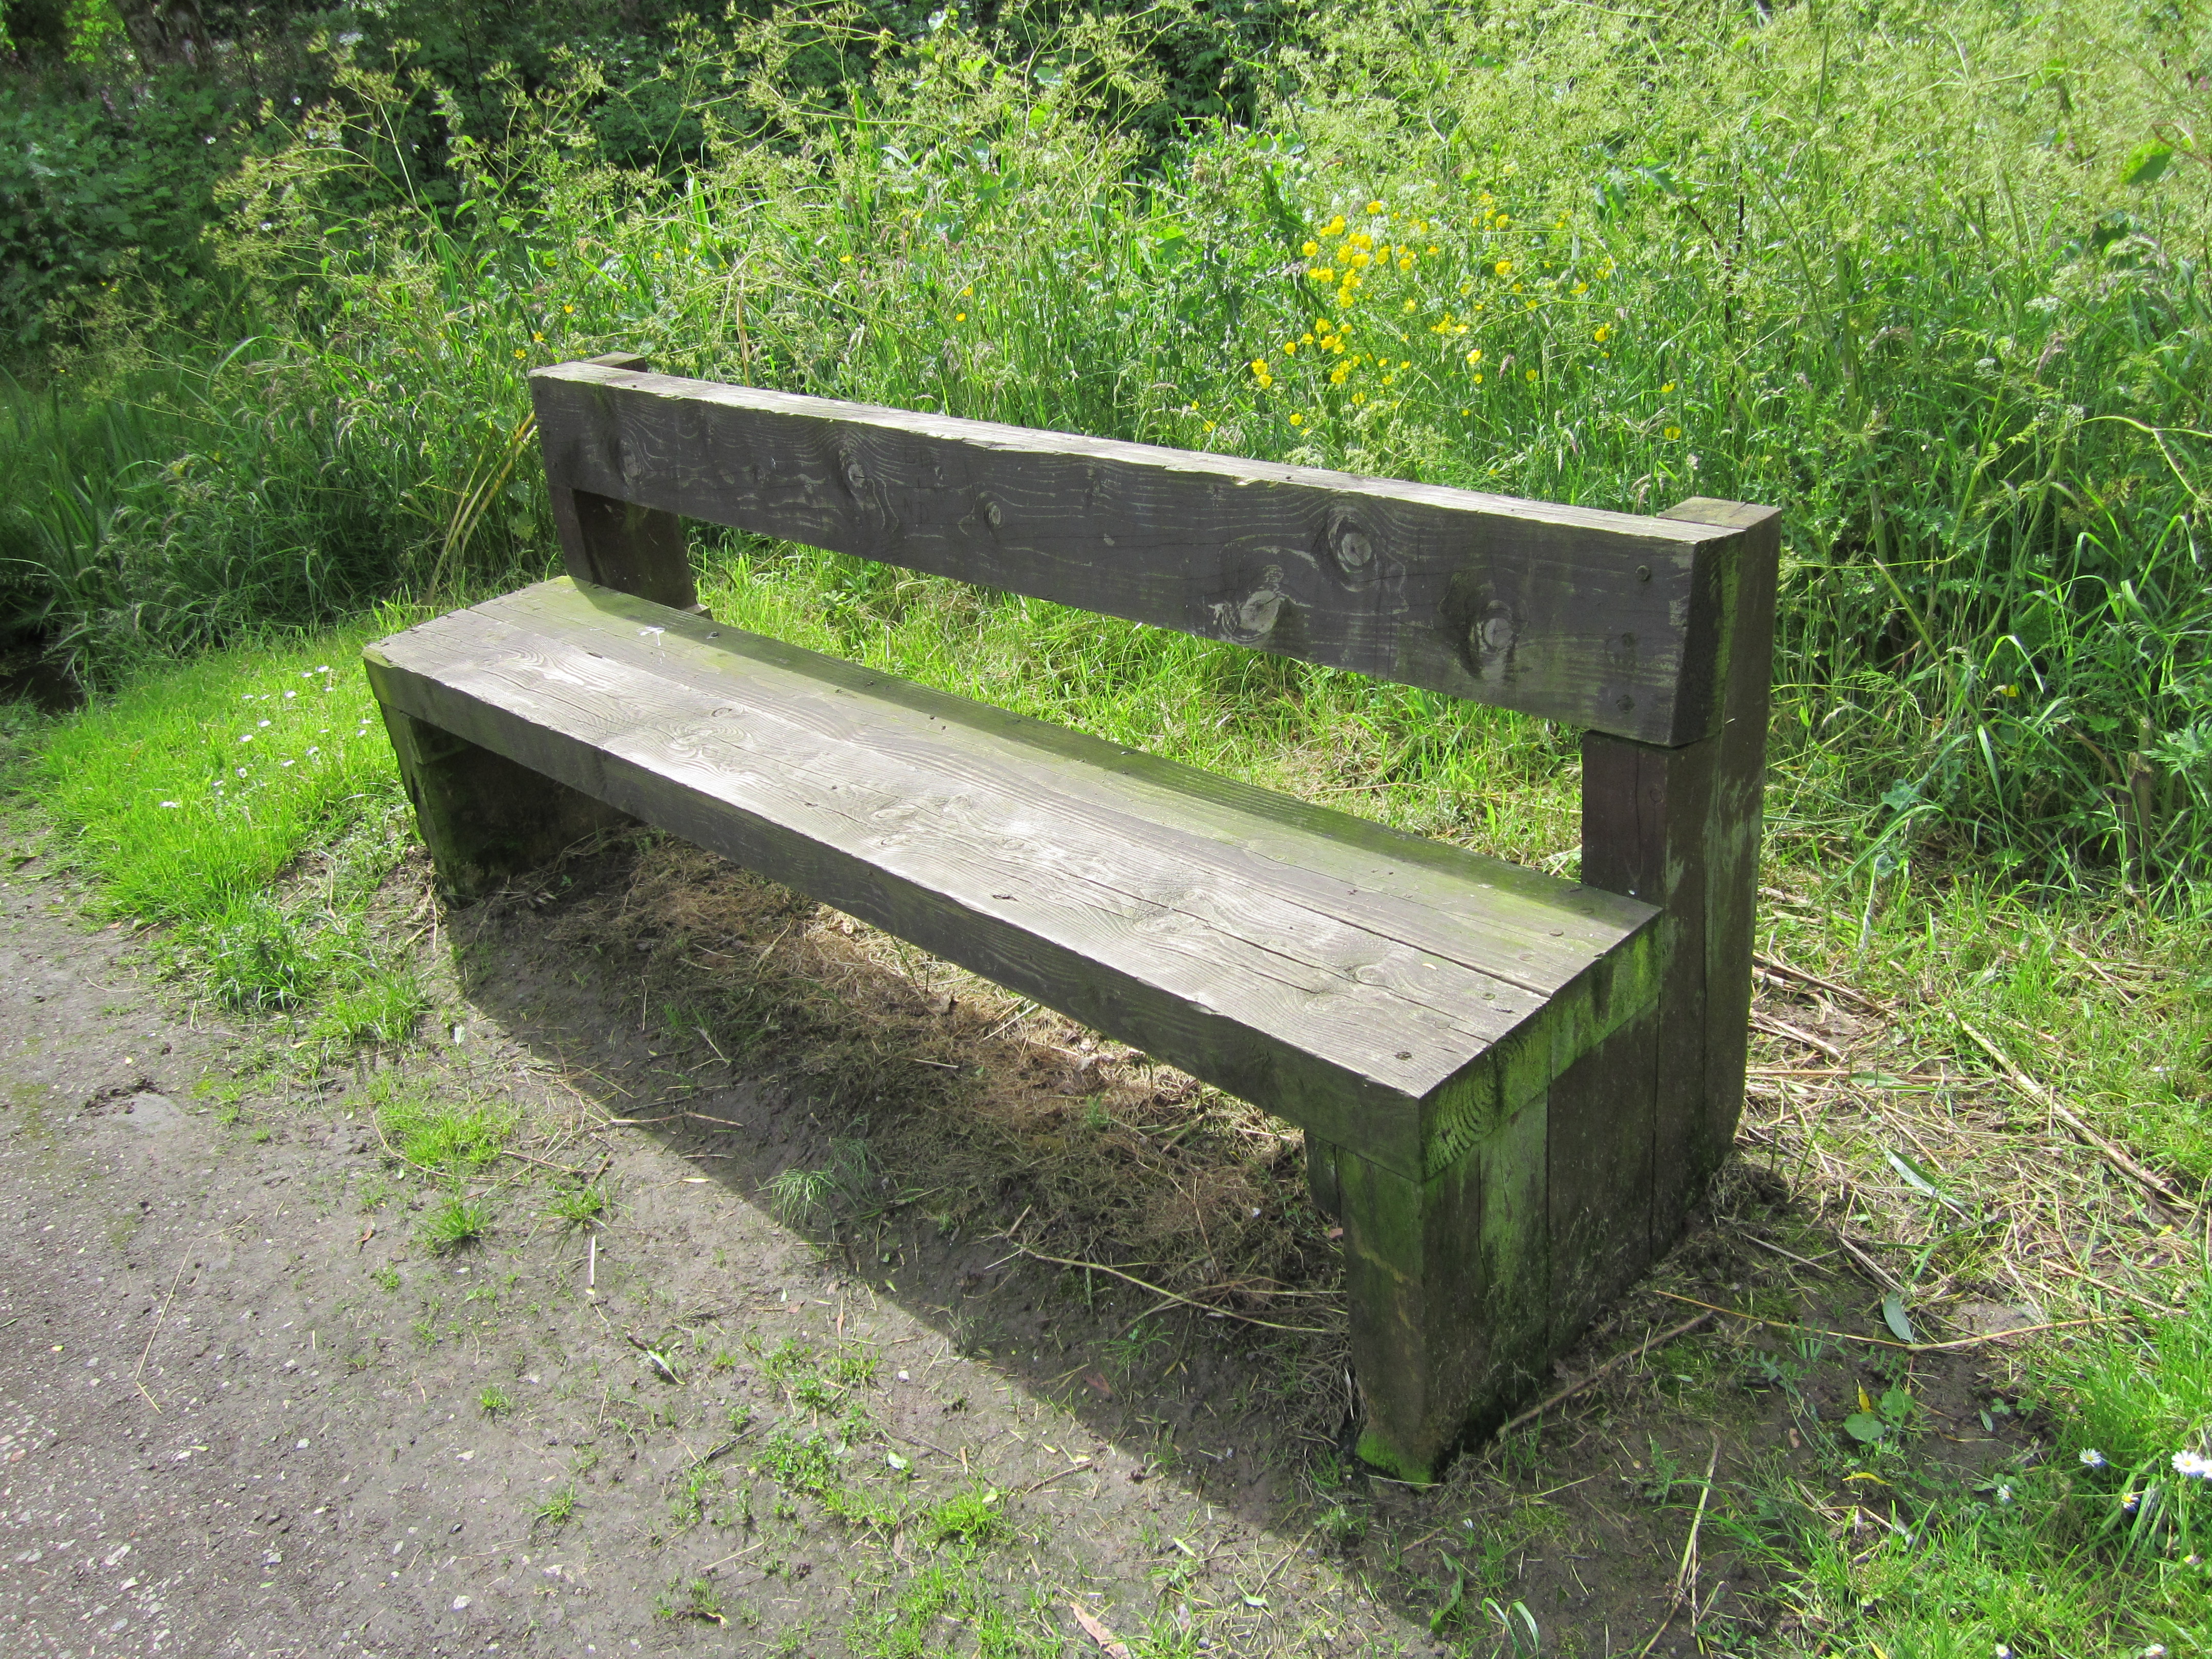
1610	621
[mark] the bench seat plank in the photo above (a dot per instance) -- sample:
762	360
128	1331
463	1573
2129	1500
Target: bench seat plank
1385	991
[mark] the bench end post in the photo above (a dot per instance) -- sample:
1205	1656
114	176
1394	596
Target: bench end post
639	550
1679	828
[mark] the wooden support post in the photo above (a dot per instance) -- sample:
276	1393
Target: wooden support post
484	816
1449	1283
1321	1176
1679	828
1599	1162
619	544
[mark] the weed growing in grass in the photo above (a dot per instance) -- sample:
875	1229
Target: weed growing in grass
494	1402
456	1223
944	1590
805	1463
804	1197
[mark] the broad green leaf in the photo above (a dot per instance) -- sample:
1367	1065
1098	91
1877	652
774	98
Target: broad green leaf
1892	1314
2146	161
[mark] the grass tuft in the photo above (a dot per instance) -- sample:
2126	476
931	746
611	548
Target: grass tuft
456	1223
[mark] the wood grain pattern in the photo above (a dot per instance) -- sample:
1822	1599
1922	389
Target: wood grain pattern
1448	1280
1680	827
1601	619
1084	885
616	542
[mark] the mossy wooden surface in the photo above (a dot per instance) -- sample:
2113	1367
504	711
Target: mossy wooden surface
1512	1086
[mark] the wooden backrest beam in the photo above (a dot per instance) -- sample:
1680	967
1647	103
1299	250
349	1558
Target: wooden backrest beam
1609	621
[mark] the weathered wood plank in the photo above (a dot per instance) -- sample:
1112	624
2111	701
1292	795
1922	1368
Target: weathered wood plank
883	802
1592	617
1531	930
1599	1154
1680	828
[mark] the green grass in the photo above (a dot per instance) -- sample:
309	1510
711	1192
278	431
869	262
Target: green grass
437	1134
2095	1549
1892	274
195	798
455	1223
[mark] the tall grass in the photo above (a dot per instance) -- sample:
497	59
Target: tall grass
1883	269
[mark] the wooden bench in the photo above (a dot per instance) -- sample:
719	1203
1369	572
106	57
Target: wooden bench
1512	1085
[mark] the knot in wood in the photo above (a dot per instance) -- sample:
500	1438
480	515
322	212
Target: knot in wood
1493	631
993	514
855	475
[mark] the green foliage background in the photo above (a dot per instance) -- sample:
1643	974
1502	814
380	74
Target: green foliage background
1931	277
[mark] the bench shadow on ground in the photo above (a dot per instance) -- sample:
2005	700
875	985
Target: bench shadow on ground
956	1149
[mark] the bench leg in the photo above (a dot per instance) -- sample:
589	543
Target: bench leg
484	816
1449	1289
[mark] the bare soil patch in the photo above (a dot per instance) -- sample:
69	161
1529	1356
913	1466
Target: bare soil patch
813	1382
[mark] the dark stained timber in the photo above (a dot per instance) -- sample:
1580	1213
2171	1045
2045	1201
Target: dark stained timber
1679	828
1604	620
1211	925
1512	1086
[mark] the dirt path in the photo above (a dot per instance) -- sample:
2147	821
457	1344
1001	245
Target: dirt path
249	1410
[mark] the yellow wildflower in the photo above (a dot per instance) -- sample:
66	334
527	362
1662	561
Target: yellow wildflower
540	339
1669	386
1476	356
1375	207
1604	332
1673	432
1357	260
1334	227
1582	288
1478	379
844	258
1306	339
1259	365
1361	239
1504	268
567	311
1336	376
967	292
1321	274
1298	420
1405	262
959	316
1311	249
520	352
1412	306
1532	374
